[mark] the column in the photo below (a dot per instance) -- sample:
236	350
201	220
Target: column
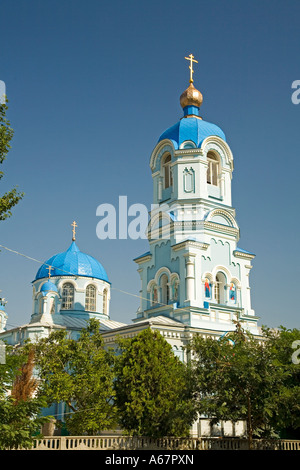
190	276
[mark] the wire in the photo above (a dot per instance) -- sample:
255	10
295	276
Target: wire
67	272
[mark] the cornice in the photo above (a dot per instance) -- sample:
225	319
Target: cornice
190	151
241	254
190	243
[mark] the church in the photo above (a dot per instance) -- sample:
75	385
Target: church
195	277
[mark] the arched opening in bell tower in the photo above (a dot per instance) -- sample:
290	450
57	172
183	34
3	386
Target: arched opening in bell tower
213	169
219	290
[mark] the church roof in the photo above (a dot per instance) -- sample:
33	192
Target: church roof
72	262
191	128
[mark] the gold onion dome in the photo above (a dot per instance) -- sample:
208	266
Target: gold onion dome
191	97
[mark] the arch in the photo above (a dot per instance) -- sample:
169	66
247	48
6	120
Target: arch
90	298
165	145
223	213
236	281
188	144
220	146
67	296
153	293
69	280
162	270
161	219
220	288
213	168
222	269
164	287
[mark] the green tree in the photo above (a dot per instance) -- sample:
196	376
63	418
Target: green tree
236	378
152	388
20	410
79	373
12	197
286	348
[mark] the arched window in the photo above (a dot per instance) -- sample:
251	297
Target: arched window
219	290
212	169
164	289
105	301
167	173
67	296
90	298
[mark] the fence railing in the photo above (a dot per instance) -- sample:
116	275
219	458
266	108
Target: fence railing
144	443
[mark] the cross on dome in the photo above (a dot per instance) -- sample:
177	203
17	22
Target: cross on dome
74	225
191	99
49	269
191	59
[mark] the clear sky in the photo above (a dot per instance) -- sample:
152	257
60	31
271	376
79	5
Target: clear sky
92	85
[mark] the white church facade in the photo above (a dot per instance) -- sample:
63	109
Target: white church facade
194	278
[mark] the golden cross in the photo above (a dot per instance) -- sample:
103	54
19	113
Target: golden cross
74	225
49	269
191	59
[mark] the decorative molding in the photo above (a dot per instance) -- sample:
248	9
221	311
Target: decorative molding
189	180
219	145
241	254
190	243
163	147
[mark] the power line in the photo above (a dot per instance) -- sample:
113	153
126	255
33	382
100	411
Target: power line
72	274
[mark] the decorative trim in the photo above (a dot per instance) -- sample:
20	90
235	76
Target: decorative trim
190	243
240	254
220	146
164	146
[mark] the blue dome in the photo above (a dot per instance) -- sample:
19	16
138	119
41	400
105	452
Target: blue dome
72	263
48	286
191	128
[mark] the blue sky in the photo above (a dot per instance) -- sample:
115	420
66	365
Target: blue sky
92	85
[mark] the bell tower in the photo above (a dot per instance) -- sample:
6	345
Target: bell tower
194	271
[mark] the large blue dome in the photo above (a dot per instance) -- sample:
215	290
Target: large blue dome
191	128
72	263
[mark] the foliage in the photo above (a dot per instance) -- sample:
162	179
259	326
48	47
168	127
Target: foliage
152	388
20	413
12	197
79	373
238	380
285	344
